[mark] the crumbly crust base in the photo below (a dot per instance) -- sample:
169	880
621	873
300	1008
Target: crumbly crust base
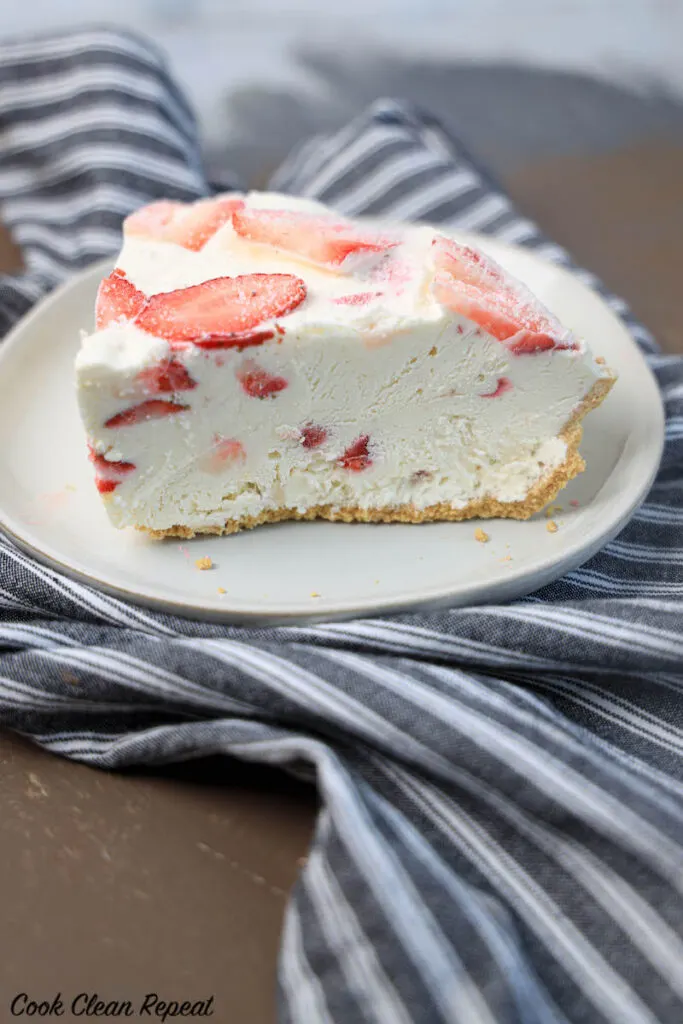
543	492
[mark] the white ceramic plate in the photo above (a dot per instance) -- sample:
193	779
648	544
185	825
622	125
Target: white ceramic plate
306	571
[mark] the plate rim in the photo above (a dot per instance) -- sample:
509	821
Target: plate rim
475	592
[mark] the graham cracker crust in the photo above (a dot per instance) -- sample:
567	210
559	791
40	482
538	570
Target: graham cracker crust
543	492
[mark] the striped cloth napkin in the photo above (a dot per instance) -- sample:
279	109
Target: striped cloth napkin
501	832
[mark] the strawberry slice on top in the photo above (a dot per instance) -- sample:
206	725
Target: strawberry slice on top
117	299
469	283
152	221
465	263
518	325
325	240
188	224
202	220
222	312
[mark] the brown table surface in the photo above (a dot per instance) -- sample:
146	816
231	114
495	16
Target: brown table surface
177	882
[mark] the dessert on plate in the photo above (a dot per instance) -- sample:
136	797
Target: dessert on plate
258	358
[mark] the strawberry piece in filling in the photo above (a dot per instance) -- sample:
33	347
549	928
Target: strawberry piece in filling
108	473
325	240
117	299
356	457
222	312
165	377
504	384
312	436
228	449
153	409
258	383
106	486
225	451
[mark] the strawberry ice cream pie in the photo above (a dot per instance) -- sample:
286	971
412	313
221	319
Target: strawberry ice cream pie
259	358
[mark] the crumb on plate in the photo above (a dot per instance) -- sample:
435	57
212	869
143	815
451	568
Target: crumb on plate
481	536
204	563
551	510
222	590
314	593
600	359
551	526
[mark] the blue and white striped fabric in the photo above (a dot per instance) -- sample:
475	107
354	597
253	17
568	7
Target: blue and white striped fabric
501	833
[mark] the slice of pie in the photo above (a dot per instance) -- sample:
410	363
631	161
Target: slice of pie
260	358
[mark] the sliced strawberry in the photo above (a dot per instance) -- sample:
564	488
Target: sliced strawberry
117	299
108	467
504	384
258	383
531	341
222	311
312	436
164	377
465	263
247	339
228	449
188	224
470	283
324	240
357	299
152	221
108	473
106	486
151	410
202	220
224	452
356	457
500	313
